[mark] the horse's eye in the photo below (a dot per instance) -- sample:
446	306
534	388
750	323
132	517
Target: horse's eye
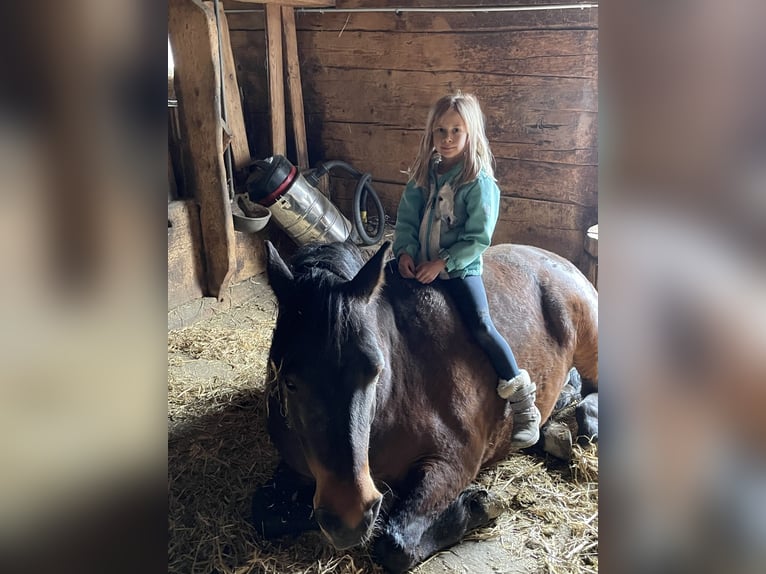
289	385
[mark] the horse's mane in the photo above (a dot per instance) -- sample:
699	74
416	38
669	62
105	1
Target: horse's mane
318	271
342	260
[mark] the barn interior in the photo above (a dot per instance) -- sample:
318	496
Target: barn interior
351	81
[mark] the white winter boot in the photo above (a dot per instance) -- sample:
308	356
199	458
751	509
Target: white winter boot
521	394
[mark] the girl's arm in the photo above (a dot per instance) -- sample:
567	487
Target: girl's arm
408	217
482	206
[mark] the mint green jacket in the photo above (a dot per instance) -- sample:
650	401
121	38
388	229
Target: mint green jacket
461	241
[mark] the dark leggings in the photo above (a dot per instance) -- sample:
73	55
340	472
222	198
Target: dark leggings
471	299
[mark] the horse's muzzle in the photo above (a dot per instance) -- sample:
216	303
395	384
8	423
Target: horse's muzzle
340	534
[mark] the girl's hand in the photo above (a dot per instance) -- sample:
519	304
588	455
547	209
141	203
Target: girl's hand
428	271
406	266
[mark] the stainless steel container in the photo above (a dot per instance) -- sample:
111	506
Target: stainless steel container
296	206
306	215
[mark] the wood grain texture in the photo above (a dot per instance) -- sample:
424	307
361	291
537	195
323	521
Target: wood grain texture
296	3
251	257
186	269
466	22
240	150
369	79
276	79
194	41
294	88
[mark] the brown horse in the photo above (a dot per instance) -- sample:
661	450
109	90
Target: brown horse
378	396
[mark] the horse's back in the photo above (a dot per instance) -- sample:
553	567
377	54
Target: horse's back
548	311
539	302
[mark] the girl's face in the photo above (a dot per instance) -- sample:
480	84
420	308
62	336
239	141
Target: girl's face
450	137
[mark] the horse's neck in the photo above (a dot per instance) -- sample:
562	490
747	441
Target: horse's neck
388	339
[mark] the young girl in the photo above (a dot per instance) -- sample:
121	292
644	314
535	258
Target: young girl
445	222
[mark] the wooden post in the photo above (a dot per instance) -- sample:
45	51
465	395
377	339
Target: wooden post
240	150
294	85
276	79
194	41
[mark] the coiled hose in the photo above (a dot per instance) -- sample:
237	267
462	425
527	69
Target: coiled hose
364	190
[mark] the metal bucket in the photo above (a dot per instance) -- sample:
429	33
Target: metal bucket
296	206
306	215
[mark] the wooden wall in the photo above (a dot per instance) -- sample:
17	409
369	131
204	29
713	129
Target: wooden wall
369	79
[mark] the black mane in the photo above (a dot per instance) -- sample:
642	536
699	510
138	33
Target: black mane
319	270
344	260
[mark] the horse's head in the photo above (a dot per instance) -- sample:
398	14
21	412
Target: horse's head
325	359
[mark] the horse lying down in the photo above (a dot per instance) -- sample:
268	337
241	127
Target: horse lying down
384	410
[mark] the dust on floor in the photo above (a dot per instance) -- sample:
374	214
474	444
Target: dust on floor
219	453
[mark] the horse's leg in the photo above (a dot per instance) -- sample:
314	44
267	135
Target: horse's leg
283	505
557	439
586	415
410	533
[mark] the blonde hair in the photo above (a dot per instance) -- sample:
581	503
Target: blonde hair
478	156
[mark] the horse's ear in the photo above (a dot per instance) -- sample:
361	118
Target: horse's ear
370	277
280	276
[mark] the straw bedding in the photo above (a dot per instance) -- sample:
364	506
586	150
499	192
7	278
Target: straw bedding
219	452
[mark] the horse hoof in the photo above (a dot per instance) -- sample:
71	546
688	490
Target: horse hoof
557	440
586	415
483	507
391	555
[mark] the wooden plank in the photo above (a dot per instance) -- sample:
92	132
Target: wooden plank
527	214
562	53
249	49
478	4
403	97
276	80
559	227
294	86
565	242
573	141
251	256
240	150
194	41
296	3
559	181
186	272
336	22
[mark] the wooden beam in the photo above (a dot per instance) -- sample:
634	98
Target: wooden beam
276	78
295	3
186	269
294	85
240	150
194	40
